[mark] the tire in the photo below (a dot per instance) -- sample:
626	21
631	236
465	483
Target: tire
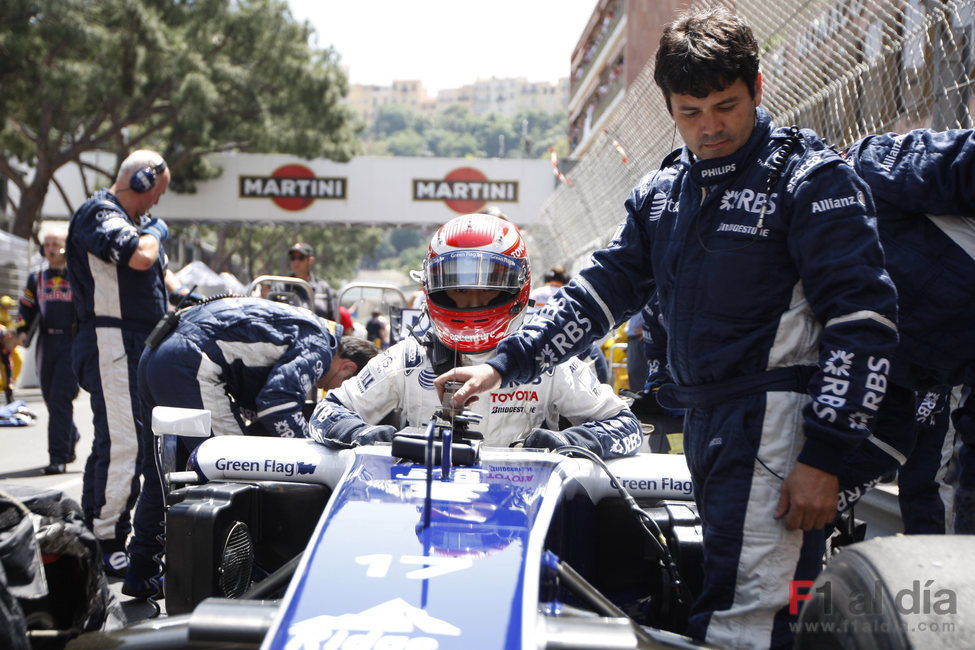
893	592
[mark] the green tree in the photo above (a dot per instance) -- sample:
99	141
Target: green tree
456	132
447	143
262	249
407	143
185	78
393	118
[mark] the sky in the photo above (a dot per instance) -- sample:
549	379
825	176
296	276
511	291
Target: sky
448	43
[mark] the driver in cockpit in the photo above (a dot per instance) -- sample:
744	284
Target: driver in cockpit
476	280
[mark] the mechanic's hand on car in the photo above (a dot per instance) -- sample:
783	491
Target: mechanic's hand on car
809	498
477	379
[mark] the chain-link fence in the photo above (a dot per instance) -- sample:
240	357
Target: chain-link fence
844	68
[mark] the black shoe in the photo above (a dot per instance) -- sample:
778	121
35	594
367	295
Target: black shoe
140	589
55	468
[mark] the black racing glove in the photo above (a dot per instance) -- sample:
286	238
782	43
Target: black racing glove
575	436
374	434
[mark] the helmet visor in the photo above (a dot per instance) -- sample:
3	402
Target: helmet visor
473	269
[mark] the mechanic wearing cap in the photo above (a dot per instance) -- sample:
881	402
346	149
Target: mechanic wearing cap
47	300
252	363
117	271
302	258
476	279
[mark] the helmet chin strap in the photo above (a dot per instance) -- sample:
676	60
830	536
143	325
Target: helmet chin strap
518	312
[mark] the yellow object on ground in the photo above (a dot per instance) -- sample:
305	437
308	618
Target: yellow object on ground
614	349
676	441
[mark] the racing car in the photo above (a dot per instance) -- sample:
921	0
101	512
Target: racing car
434	541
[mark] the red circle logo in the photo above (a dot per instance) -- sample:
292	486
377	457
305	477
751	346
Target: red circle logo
292	202
466	174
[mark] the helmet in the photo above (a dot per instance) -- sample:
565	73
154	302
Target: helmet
476	251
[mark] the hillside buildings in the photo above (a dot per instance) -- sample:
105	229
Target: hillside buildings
502	96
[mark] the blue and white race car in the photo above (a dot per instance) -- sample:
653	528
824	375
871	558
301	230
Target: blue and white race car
286	544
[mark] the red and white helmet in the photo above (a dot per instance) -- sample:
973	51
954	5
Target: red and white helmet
476	251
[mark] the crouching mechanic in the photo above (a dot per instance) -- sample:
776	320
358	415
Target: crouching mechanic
476	281
252	363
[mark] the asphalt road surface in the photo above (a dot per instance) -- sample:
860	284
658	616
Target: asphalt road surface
24	449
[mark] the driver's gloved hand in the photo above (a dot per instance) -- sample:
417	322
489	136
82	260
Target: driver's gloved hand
575	436
545	439
374	434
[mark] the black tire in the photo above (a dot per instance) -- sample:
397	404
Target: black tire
893	592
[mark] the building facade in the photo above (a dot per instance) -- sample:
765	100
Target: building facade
615	46
503	96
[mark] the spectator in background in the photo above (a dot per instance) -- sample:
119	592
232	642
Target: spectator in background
494	211
376	330
9	354
47	305
345	320
555	278
117	272
302	258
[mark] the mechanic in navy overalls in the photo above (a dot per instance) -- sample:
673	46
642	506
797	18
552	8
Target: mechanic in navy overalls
252	363
117	271
47	300
780	322
922	184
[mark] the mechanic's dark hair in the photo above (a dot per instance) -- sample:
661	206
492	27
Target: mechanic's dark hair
704	51
556	274
357	350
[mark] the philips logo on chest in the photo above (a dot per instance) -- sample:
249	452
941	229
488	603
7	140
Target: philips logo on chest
718	171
